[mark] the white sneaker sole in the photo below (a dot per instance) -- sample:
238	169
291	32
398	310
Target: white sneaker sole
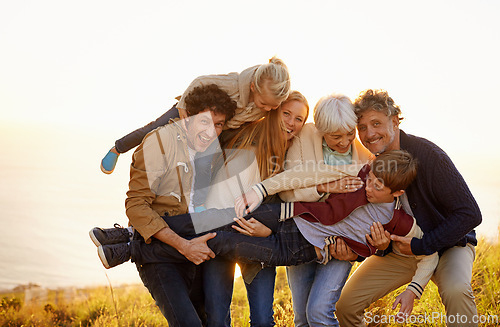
94	239
101	255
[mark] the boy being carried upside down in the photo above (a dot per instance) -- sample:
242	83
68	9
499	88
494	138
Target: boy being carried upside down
304	238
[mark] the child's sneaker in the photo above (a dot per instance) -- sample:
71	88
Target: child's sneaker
114	254
102	236
108	163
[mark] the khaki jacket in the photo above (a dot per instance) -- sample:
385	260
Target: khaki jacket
237	86
160	179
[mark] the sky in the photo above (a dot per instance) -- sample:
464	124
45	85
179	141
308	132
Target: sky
116	65
90	72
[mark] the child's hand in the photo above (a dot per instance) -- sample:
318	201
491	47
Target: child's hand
380	238
243	207
182	113
406	300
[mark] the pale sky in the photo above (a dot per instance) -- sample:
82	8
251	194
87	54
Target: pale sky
119	64
76	75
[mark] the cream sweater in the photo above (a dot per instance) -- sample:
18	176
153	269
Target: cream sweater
305	168
237	86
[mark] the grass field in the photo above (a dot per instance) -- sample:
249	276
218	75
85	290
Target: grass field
132	305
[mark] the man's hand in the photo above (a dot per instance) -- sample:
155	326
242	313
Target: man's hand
345	185
252	227
340	251
240	204
196	250
380	238
403	244
406	300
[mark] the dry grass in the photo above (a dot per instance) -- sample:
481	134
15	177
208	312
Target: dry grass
133	306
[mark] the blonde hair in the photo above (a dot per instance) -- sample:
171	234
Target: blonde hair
268	141
276	73
333	113
297	96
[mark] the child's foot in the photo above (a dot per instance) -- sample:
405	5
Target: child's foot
114	254
118	234
108	163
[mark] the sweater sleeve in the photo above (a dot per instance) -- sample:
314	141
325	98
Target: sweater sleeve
426	264
302	176
456	205
334	209
226	82
425	268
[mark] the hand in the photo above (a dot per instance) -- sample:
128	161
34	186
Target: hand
252	227
196	250
345	185
243	207
406	300
340	251
182	113
380	238
403	244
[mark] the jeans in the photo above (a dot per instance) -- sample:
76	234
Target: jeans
197	223
218	277
287	247
177	290
315	290
134	138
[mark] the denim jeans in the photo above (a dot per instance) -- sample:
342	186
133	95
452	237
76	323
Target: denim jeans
134	138
218	277
286	247
177	290
184	225
315	290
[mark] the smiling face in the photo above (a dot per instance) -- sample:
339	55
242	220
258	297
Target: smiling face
377	192
340	141
294	115
202	129
378	132
265	101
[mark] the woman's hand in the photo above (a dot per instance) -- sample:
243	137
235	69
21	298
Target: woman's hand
340	251
182	113
345	185
243	207
252	227
380	238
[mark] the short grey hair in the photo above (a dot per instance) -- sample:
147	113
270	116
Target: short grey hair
333	113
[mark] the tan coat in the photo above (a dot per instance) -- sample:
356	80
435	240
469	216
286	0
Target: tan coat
237	86
160	179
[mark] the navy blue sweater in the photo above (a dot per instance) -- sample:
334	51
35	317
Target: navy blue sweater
440	199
